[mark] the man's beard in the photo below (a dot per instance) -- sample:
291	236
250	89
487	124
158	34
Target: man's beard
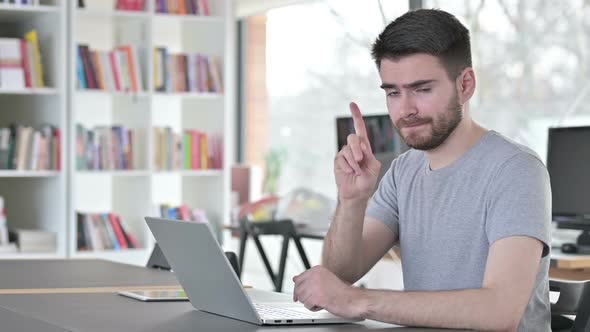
441	128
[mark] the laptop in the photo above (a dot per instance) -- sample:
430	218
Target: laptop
212	286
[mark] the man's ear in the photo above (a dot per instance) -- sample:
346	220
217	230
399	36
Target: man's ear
465	85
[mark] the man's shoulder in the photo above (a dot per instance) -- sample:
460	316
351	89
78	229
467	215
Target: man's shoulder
500	150
501	154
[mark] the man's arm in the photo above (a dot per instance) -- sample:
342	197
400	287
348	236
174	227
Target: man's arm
354	244
511	270
351	248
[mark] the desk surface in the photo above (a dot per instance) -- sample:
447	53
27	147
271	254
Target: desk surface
569	261
46	274
14	321
111	312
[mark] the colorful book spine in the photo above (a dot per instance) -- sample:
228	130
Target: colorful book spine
103	231
115	70
187	72
31	37
104	148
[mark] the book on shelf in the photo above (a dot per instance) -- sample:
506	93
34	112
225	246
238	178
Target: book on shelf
103	231
20	2
20	63
191	150
183	7
106	148
34	240
25	148
183	212
115	70
3	224
186	72
132	5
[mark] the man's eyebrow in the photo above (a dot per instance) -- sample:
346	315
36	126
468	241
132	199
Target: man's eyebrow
407	86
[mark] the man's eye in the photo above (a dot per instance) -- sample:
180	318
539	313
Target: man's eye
393	93
424	90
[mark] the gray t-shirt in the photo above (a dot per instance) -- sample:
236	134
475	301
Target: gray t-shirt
447	219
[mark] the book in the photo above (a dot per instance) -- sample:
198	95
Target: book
189	150
132	5
105	148
183	212
186	72
31	37
102	231
115	70
35	240
12	72
3	224
26	148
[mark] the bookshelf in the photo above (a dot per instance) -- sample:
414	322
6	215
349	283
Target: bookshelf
135	193
36	199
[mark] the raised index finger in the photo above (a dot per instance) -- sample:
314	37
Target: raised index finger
359	124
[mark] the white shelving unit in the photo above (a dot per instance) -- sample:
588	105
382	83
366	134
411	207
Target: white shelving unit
37	199
134	194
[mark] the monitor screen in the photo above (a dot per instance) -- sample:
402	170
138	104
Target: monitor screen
385	141
380	131
568	161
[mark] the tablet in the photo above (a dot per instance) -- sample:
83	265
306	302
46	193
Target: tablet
156	295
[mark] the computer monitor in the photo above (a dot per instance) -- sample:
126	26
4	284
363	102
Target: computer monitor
385	142
568	163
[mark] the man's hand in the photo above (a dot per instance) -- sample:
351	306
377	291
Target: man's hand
318	288
355	167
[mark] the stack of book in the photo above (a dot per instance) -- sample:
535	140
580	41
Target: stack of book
105	148
34	240
186	72
103	231
20	63
192	150
25	148
183	7
115	70
183	212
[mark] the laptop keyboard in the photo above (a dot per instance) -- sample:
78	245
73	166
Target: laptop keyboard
272	312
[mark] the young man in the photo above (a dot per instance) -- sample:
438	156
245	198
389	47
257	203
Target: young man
469	208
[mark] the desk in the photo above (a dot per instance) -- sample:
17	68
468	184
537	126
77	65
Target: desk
13	321
111	312
569	266
65	276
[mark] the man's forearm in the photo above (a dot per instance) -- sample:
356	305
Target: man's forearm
342	252
479	309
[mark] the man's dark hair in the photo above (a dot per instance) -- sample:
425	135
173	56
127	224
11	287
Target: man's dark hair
429	31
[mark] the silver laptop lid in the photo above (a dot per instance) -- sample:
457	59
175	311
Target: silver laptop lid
202	269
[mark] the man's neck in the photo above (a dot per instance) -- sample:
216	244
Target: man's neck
463	138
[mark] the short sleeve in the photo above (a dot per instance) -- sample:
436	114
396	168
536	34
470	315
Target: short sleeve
519	201
383	204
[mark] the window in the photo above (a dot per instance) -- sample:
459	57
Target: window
318	61
532	64
531	58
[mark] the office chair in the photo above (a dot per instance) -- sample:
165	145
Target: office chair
574	299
